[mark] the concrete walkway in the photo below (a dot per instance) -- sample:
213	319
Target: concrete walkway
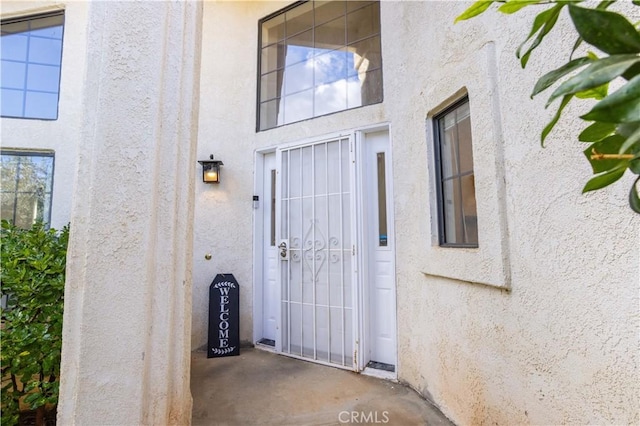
262	388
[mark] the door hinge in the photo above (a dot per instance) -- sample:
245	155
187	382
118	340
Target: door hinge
353	250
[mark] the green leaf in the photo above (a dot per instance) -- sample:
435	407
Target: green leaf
512	6
551	77
634	165
596	132
604	179
555	119
546	20
474	10
597	93
622	106
631	72
632	139
634	198
608	31
596	74
609	145
577	44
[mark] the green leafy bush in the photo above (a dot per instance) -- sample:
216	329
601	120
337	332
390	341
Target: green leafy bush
33	274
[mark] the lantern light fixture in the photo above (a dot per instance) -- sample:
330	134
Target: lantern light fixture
211	170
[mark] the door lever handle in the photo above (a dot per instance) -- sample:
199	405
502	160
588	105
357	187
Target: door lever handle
283	249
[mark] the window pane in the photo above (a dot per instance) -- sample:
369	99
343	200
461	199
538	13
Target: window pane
366	55
12	103
8	205
13	74
448	147
331	97
9	170
458	203
43	77
299	19
330	67
298	77
36	43
14	47
371	88
354	4
318	62
331	35
382	201
26	188
270	114
451	199
273	208
41	105
363	23
298	107
328	10
464	140
45	50
50	26
273	30
272	57
271	85
470	219
26	210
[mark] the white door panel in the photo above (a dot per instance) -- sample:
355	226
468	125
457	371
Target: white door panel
380	254
270	253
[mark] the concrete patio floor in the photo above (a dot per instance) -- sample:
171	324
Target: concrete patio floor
262	388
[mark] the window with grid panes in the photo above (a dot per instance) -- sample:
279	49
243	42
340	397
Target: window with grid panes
31	55
317	58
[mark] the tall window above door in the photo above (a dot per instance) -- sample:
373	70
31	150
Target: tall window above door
316	58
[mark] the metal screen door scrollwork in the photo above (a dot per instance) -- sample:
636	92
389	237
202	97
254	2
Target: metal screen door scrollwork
317	270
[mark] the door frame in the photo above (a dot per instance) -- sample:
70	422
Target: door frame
361	293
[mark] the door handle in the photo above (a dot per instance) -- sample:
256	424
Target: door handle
283	249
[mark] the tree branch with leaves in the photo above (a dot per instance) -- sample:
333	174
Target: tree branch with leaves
613	123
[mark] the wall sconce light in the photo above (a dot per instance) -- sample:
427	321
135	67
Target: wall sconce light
211	170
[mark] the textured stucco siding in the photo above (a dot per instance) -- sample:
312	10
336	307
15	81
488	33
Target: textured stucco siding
547	332
61	135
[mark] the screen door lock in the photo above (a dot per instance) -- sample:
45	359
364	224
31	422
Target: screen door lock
284	252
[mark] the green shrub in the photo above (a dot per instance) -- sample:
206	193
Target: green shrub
33	274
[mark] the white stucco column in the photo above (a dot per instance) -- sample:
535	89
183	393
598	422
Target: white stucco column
127	317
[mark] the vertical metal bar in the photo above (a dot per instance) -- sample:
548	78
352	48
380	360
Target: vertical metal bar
342	254
314	276
301	253
326	187
288	263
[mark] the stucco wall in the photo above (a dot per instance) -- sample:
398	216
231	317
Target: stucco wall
61	135
561	344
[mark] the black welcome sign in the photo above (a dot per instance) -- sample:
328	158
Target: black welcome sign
224	317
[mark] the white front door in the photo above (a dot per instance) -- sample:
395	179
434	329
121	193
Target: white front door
322	298
380	292
316	248
270	260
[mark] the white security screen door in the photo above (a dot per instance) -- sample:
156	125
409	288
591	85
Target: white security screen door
316	248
